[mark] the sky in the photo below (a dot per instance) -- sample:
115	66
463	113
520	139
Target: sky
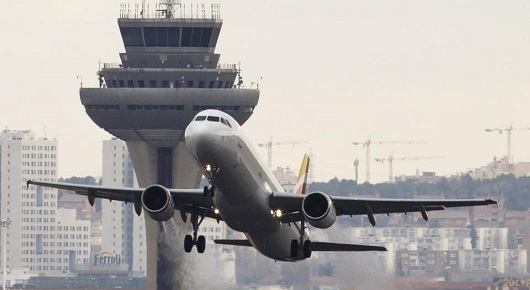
329	73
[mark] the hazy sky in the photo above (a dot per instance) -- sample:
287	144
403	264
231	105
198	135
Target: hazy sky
438	71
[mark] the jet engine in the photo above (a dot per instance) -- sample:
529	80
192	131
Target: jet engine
158	203
319	210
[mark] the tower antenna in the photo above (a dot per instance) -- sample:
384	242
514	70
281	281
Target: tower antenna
171	6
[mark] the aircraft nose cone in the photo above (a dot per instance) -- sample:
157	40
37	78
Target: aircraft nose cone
197	135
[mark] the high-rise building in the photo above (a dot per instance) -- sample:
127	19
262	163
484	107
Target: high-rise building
122	229
41	237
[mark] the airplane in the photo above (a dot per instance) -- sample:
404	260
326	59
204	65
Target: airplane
244	194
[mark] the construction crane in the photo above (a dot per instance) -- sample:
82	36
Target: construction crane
391	159
269	145
509	142
369	142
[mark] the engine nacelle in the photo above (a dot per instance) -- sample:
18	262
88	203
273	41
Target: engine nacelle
158	203
319	210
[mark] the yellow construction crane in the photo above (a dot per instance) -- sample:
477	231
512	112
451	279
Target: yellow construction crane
269	145
369	142
391	159
508	130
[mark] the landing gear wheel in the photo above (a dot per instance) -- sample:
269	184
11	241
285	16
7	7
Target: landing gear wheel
188	243
295	245
307	249
201	244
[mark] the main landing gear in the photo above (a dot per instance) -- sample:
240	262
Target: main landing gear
199	241
302	244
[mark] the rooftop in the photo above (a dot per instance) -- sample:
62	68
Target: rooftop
170	9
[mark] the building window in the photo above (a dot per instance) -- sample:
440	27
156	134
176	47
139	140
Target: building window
141	84
190	84
152	83
130	84
212	84
220	84
165	84
201	84
121	83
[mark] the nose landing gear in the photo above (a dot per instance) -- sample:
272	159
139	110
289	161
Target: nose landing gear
210	175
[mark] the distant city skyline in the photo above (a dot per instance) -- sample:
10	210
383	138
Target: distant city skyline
442	72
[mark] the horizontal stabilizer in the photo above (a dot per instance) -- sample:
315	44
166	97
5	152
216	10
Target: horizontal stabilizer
332	247
243	243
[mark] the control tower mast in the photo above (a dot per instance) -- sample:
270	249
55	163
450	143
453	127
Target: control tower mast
168	73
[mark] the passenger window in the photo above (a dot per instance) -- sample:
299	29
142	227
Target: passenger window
200	118
213	118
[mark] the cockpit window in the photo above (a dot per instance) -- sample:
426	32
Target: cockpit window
200	118
228	123
213	118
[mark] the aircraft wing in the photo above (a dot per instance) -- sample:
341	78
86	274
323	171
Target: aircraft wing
292	204
185	199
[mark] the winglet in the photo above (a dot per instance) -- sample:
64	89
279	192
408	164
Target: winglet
301	182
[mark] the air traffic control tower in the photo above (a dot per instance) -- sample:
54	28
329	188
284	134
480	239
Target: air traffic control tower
168	73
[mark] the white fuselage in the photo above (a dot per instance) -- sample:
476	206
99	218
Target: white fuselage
243	184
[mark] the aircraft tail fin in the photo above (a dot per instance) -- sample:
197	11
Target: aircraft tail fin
301	182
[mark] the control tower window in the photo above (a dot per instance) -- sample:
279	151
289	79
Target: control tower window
122	84
165	84
161	36
211	85
130	84
132	36
141	84
206	36
196	36
190	84
152	83
173	36
150	36
201	84
114	84
186	37
220	85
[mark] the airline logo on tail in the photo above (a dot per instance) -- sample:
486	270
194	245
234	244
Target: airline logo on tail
301	182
